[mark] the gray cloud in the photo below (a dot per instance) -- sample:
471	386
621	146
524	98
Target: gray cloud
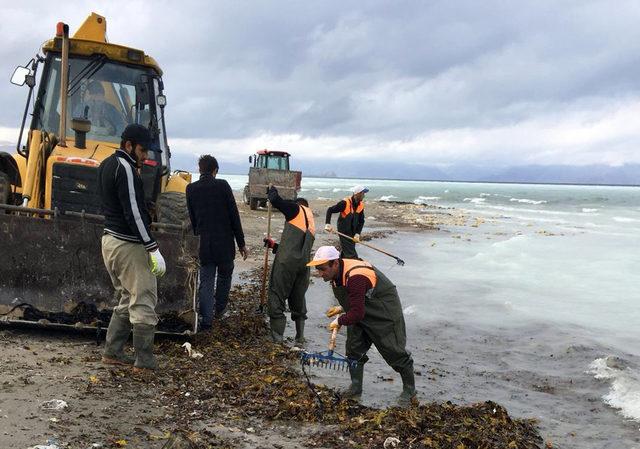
383	72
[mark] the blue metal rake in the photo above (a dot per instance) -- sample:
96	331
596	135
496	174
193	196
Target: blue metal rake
328	359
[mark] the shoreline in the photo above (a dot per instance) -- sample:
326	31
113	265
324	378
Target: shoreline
245	392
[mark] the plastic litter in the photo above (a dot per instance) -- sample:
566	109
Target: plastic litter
192	353
50	444
391	442
54	404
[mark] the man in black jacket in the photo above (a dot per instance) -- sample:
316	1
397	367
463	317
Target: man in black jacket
130	253
215	218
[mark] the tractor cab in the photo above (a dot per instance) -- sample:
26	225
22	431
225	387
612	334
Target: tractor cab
275	160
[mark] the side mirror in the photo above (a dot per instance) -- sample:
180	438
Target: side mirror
250	159
20	76
161	100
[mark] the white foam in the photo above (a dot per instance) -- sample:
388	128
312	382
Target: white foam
474	200
387	197
588	210
425	199
526	201
321	198
624	393
626	220
410	310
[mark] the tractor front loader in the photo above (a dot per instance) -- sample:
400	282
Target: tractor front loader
51	268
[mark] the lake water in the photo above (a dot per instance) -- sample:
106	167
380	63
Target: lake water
537	308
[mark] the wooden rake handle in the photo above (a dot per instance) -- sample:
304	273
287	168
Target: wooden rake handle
368	245
332	340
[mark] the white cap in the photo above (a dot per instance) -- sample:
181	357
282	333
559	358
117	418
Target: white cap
323	255
358	189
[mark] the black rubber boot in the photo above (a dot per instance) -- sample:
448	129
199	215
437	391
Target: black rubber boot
117	336
300	332
143	335
277	326
408	387
355	389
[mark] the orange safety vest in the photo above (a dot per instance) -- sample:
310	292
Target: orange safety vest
304	220
353	267
348	208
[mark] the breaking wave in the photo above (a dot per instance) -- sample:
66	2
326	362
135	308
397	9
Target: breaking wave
425	199
387	197
527	201
624	393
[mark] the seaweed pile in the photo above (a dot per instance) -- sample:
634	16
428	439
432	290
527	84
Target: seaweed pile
243	375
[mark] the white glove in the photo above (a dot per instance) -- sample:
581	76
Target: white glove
328	227
356	238
157	263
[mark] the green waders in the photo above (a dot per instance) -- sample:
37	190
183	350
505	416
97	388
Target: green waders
348	225
383	326
289	277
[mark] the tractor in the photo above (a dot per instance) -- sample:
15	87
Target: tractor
51	269
270	167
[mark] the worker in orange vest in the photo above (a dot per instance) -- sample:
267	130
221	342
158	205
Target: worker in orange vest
350	221
289	278
370	308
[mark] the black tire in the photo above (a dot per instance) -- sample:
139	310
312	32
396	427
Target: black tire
5	188
245	195
263	203
253	203
172	208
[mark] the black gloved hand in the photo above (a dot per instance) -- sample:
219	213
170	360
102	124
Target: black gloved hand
270	243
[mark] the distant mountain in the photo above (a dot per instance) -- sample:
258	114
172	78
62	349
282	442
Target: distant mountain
628	174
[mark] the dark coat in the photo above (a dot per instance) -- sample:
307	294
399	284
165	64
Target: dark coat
215	218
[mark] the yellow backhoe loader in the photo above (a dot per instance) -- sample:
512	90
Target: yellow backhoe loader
51	269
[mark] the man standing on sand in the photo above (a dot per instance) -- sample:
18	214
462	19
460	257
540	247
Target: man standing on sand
130	252
289	274
215	218
373	316
350	220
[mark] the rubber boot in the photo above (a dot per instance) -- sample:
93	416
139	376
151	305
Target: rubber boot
143	335
117	336
408	387
300	332
277	326
355	389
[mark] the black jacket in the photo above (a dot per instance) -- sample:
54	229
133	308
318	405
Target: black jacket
123	204
215	218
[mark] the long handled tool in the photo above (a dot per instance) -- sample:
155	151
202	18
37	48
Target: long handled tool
263	291
368	245
328	359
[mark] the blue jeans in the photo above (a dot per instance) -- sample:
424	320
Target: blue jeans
208	299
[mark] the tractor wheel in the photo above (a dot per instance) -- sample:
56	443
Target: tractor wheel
245	195
5	188
253	203
172	208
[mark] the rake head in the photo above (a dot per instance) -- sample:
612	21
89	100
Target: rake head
328	360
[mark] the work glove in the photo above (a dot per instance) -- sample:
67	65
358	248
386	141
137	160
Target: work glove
356	238
270	243
335	310
328	227
157	263
334	324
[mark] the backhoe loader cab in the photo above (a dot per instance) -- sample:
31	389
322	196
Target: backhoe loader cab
89	91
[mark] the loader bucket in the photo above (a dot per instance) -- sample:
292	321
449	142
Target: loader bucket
52	273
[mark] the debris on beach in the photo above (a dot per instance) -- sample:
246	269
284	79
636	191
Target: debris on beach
244	377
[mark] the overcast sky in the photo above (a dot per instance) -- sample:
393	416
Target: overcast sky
438	82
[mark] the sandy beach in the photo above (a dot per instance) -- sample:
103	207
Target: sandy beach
244	392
